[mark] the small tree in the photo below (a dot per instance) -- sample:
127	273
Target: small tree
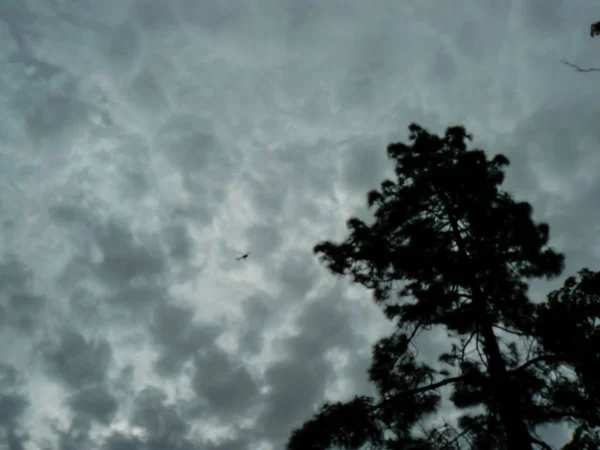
447	248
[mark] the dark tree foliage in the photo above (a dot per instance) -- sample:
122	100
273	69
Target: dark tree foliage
448	248
595	29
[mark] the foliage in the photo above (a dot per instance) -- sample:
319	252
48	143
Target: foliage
448	248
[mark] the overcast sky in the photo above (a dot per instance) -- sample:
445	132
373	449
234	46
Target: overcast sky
145	144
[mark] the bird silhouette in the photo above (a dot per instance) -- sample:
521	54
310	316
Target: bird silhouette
243	257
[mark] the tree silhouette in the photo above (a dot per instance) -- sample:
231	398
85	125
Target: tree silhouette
447	248
594	30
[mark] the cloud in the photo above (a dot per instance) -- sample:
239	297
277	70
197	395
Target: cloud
152	413
228	387
96	403
297	275
327	325
13	406
154	15
308	379
145	143
122	258
77	361
545	17
364	164
258	314
178	338
20	305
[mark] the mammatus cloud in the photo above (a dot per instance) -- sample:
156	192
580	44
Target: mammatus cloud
144	144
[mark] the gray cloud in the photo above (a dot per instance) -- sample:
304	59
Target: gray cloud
258	315
77	361
144	143
364	165
302	376
13	406
228	387
307	381
20	305
96	403
178	338
122	258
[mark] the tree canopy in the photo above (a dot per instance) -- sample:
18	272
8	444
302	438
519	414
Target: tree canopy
448	248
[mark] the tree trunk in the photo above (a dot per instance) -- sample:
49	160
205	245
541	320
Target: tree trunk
517	434
511	417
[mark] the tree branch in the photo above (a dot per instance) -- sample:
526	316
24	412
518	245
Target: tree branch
516	333
464	347
429	387
541	444
532	362
579	69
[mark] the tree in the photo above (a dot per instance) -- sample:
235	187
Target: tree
594	30
448	248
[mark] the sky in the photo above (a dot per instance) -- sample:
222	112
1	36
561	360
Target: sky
145	144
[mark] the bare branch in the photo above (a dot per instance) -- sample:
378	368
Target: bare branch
418	390
481	357
533	361
579	69
464	347
516	333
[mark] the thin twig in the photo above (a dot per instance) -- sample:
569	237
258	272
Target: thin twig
418	390
483	360
579	69
516	333
545	358
464	347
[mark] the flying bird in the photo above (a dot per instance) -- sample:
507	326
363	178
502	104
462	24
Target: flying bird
243	257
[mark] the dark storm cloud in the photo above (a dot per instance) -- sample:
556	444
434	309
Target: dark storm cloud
123	257
163	426
364	164
292	382
75	437
146	92
298	274
558	157
212	15
258	314
164	132
178	337
545	17
123	46
265	238
20	305
13	406
95	403
226	385
154	15
301	377
193	145
55	113
76	361
179	242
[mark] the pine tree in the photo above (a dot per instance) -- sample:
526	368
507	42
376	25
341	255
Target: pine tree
448	248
